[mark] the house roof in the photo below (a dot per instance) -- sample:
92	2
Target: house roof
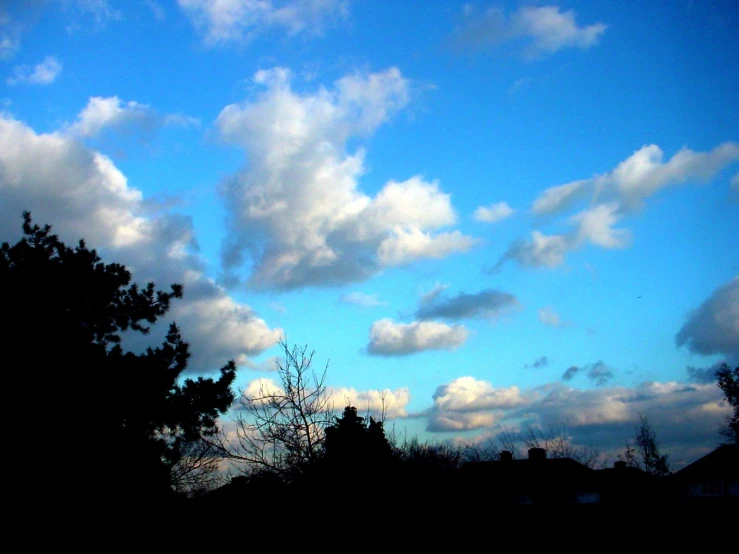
721	464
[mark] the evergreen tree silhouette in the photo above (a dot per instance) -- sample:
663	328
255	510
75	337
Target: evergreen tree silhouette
94	422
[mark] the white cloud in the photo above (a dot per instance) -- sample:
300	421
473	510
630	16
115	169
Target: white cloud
487	303
541	30
82	194
639	176
620	191
595	225
735	182
468	403
362	299
411	244
389	338
557	198
392	403
713	328
43	73
224	21
101	114
644	173
493	213
298	209
467	394
260	391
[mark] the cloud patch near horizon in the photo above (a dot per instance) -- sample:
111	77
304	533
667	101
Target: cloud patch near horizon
685	416
297	213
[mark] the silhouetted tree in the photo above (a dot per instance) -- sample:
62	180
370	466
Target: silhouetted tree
281	429
728	382
645	453
350	441
97	421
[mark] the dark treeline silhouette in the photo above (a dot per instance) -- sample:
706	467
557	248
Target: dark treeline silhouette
97	426
113	429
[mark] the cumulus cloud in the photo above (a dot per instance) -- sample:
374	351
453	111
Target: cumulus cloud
82	194
240	21
297	211
549	317
389	338
713	327
493	213
377	402
43	73
467	394
104	113
388	403
539	30
487	303
362	299
468	403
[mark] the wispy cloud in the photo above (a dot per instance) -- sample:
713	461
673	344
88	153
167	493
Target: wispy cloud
239	21
43	73
549	317
362	299
487	303
535	30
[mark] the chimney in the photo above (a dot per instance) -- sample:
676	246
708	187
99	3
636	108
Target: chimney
506	456
537	454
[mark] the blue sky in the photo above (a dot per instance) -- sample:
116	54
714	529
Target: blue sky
501	213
